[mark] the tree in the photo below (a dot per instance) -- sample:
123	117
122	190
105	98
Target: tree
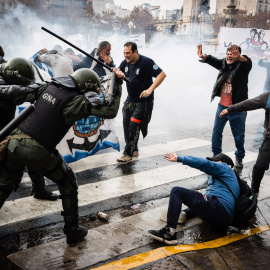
140	17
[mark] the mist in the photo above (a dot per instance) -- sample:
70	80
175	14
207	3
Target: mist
182	100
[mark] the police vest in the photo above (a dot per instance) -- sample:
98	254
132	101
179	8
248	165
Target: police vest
7	110
47	124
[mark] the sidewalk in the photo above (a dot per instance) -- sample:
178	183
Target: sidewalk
116	240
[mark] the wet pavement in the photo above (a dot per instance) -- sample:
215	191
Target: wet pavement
122	242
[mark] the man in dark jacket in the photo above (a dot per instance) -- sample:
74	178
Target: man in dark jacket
102	53
58	105
262	163
232	87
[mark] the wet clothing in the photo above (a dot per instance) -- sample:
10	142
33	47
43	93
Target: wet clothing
217	205
237	76
266	64
263	159
137	111
87	62
27	151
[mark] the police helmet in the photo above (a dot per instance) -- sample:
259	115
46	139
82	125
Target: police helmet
86	80
18	71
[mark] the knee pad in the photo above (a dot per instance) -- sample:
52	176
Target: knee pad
66	177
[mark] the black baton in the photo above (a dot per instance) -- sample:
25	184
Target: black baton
80	50
15	122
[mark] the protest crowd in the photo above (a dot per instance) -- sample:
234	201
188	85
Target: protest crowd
76	92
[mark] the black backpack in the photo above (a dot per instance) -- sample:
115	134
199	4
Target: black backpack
245	205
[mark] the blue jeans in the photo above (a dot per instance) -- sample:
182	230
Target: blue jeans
237	122
210	210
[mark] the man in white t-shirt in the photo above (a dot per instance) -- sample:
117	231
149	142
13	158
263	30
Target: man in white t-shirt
59	62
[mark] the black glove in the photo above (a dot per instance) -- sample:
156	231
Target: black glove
94	99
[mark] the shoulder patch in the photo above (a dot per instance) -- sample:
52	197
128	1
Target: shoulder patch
155	67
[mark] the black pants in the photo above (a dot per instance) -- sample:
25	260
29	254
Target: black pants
261	165
133	113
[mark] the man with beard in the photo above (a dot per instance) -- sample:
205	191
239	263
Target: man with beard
232	87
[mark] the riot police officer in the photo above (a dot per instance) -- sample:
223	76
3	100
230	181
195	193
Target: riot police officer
58	105
20	71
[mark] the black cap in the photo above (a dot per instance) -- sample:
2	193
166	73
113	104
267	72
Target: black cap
222	157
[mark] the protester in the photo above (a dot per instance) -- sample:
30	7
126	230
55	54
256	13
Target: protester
102	53
265	62
44	129
24	77
216	206
2	54
137	109
59	62
232	87
75	58
262	163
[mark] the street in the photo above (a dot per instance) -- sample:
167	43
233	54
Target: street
133	195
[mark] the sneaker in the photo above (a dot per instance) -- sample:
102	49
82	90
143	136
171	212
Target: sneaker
164	235
239	163
182	218
136	154
124	159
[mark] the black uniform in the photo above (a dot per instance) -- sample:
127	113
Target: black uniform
58	106
7	112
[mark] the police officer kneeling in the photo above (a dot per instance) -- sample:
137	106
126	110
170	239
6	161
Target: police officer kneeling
58	105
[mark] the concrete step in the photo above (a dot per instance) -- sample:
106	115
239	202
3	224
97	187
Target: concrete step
118	238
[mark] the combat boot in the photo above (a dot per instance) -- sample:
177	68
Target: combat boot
69	196
74	233
38	187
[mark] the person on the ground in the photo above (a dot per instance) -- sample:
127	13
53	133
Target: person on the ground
265	62
20	71
59	62
232	87
59	104
216	207
137	108
262	163
103	54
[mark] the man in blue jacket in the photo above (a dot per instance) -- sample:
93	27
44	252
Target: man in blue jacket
216	206
232	87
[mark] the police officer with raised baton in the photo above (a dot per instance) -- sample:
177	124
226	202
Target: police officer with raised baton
58	105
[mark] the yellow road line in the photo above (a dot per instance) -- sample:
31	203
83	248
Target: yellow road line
156	254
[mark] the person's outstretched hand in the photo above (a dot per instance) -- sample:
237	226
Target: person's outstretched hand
171	157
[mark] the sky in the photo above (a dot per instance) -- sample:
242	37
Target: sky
164	4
